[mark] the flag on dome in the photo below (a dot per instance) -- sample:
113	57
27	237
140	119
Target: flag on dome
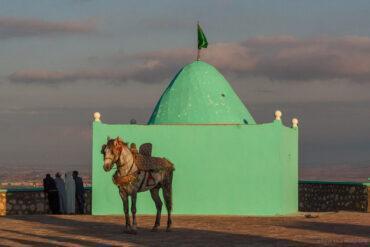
202	40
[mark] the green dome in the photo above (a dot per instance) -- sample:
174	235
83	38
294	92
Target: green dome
199	94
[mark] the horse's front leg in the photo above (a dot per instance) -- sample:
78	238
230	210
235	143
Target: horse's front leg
124	197
133	211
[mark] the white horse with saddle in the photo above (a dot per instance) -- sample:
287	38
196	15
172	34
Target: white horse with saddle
139	172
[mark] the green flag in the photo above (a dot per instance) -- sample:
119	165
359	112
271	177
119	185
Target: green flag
202	40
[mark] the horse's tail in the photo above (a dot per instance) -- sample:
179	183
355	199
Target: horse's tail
169	166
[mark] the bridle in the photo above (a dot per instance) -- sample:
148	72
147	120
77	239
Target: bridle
126	173
111	159
118	166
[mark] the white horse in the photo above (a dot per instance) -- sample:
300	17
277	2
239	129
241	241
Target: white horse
131	180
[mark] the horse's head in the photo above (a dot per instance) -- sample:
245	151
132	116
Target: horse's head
112	152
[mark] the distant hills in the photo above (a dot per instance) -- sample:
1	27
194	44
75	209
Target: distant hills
345	172
33	174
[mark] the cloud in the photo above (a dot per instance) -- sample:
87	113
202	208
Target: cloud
278	58
149	72
289	58
165	23
12	27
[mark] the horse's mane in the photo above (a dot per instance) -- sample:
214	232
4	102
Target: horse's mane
110	142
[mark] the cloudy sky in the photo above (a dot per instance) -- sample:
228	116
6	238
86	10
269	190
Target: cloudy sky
60	61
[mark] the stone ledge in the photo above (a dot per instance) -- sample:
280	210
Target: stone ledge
20	201
314	196
318	196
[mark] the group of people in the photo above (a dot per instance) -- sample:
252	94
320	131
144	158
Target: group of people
65	197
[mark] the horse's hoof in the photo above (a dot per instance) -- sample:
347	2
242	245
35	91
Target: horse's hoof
169	229
155	229
127	229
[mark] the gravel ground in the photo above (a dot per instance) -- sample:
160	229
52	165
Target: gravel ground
323	229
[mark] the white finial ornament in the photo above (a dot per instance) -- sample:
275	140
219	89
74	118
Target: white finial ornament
97	116
295	123
278	115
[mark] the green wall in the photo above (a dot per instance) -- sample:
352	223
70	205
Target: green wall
220	169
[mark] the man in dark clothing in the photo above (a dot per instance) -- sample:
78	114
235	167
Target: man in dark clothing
51	191
80	200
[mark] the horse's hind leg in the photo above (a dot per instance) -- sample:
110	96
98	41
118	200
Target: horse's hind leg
158	204
167	195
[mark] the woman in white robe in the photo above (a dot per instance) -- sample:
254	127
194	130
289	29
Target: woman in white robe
71	193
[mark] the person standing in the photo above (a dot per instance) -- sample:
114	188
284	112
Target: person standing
80	190
59	182
70	193
51	191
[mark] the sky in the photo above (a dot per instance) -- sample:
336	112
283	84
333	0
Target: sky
60	61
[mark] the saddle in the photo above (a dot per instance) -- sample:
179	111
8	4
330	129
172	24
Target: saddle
144	162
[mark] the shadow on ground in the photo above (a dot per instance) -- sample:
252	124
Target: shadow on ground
72	231
336	228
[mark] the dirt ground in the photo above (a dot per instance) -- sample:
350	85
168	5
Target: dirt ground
328	229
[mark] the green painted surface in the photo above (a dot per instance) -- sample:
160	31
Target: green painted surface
224	170
199	94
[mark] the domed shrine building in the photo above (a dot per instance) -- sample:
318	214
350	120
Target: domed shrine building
199	94
226	164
